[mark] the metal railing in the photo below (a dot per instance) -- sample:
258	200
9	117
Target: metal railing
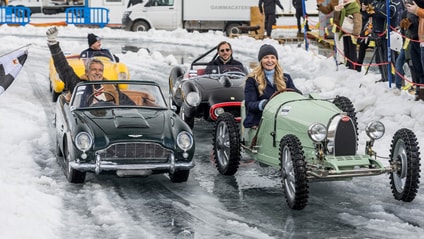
87	16
16	15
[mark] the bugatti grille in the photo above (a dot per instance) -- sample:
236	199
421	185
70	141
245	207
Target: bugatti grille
342	138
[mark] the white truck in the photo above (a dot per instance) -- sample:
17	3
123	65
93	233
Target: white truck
201	15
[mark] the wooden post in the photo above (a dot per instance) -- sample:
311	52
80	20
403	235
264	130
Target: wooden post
257	19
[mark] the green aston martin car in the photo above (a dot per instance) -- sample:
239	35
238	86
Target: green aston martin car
125	127
308	139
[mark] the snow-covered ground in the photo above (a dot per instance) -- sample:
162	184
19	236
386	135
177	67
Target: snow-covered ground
32	206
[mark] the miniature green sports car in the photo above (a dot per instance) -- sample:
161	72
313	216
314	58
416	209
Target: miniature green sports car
124	127
311	139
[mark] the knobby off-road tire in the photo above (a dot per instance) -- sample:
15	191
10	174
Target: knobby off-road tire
72	175
405	155
226	144
346	105
179	176
293	172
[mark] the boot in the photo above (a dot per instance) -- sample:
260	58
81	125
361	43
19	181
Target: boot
421	94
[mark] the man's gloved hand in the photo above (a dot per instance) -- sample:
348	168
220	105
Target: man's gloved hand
51	35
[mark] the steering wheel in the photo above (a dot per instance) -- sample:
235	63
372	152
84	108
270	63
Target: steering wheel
91	97
281	91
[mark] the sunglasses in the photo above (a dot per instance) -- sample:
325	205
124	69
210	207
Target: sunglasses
226	49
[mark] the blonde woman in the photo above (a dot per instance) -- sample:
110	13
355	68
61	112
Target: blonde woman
267	78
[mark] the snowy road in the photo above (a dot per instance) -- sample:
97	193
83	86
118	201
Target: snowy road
250	204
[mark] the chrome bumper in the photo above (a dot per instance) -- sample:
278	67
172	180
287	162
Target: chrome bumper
100	165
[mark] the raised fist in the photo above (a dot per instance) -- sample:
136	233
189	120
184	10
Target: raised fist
51	35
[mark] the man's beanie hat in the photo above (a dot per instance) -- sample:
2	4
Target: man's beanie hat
267	49
92	39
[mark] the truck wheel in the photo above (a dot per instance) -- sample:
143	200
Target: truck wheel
232	28
405	158
179	176
293	172
226	144
140	26
72	175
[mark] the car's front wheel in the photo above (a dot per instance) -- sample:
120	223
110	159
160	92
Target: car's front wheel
226	144
72	175
405	158
179	176
293	172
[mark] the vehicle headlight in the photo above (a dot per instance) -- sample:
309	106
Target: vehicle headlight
218	111
317	132
193	99
375	129
83	141
185	140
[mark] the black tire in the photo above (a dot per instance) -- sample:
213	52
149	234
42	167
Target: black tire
226	144
405	157
293	172
179	176
72	175
346	105
232	28
140	26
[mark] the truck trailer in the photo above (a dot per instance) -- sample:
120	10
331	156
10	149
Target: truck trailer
200	15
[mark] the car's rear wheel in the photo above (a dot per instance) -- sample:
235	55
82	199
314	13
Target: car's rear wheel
72	175
179	176
405	157
226	144
293	172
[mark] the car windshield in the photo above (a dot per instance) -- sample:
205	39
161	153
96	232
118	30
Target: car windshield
117	94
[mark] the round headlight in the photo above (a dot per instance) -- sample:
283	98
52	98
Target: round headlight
193	99
83	141
375	130
185	140
317	132
218	111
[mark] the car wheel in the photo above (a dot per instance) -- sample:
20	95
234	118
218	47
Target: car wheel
405	157
226	144
293	172
72	175
179	176
346	105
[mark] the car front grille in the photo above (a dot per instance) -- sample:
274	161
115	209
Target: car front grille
145	152
342	136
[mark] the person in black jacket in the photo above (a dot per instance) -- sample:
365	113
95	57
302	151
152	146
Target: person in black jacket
224	60
298	5
95	49
268	7
265	79
93	72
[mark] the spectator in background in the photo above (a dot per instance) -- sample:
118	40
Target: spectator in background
379	34
364	40
95	49
298	5
268	8
418	10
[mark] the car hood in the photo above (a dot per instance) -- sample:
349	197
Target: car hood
216	89
125	124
